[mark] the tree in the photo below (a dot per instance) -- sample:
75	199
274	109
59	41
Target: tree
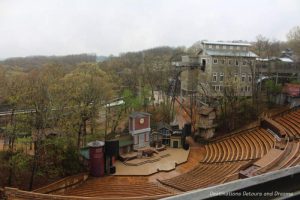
37	97
272	90
293	37
12	90
87	88
262	46
195	48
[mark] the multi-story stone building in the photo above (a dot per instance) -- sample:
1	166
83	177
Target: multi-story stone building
221	64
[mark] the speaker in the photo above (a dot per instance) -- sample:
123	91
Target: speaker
188	129
112	170
112	148
186	146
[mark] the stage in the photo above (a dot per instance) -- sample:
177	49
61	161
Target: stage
166	160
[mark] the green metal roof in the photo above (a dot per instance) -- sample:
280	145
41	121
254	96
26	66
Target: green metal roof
125	140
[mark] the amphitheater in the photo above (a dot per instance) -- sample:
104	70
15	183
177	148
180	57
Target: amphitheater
269	148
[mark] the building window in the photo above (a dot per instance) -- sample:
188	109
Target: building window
236	62
248	88
217	47
210	46
215	61
220	88
214	87
235	77
214	79
238	48
231	47
223	61
244	89
221	77
243	77
217	87
250	62
224	46
244	62
230	62
249	78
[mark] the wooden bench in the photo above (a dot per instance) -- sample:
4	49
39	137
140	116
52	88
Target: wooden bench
290	158
270	159
248	147
290	132
295	125
240	149
274	126
198	178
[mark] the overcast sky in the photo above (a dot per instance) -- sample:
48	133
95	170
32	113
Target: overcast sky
58	27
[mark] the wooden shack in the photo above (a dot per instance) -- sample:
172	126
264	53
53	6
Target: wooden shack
165	130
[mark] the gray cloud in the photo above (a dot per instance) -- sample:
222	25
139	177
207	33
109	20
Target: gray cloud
48	27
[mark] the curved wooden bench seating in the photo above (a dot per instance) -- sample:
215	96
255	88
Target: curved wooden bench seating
232	155
248	150
296	160
289	130
90	189
290	159
221	152
240	150
271	159
286	156
268	138
225	151
295	116
248	146
295	125
260	140
271	124
207	152
263	142
252	146
198	178
290	121
212	152
258	146
14	193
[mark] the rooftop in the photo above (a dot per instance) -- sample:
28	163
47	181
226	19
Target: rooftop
227	43
139	114
125	140
291	89
282	59
286	60
162	125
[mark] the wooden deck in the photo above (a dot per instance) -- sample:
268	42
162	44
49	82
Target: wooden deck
166	160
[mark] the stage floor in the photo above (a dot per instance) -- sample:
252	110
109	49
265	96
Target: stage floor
163	161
